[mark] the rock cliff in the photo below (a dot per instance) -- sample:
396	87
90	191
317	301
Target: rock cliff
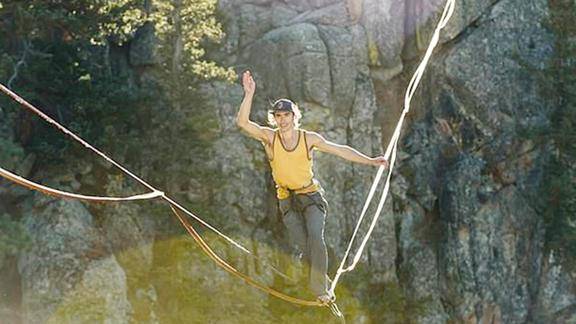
460	240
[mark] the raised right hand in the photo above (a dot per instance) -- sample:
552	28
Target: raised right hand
248	83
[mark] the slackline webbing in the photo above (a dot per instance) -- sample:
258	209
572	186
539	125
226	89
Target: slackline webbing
63	194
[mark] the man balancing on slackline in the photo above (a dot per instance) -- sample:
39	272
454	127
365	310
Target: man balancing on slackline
289	150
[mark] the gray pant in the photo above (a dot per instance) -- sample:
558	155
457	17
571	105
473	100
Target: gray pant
304	215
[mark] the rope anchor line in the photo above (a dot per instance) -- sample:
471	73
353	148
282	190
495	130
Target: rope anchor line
176	208
391	152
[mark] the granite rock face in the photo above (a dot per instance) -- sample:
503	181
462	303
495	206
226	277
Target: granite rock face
384	24
67	274
461	226
472	175
459	234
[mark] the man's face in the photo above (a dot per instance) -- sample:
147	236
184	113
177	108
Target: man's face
284	119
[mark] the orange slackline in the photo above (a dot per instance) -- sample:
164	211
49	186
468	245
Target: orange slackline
63	194
153	194
224	265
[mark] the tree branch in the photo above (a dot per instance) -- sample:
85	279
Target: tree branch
19	64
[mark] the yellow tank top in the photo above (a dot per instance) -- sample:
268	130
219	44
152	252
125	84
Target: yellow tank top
292	170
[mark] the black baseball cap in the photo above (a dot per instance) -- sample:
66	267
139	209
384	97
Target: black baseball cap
283	105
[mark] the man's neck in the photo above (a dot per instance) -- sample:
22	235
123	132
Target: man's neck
288	133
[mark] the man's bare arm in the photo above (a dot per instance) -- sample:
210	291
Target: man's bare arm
344	151
243	119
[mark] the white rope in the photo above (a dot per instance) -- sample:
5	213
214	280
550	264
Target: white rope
391	152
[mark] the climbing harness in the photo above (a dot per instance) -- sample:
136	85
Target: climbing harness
178	210
312	199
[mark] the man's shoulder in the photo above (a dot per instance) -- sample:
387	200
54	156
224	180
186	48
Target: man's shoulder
269	135
309	132
270	131
312	137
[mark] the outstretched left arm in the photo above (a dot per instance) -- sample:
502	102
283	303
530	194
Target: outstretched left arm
343	151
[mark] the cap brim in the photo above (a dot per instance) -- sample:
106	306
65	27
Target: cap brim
275	110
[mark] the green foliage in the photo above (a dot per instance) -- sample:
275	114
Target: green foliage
191	289
560	181
13	236
11	154
75	22
58	55
182	26
557	199
80	307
